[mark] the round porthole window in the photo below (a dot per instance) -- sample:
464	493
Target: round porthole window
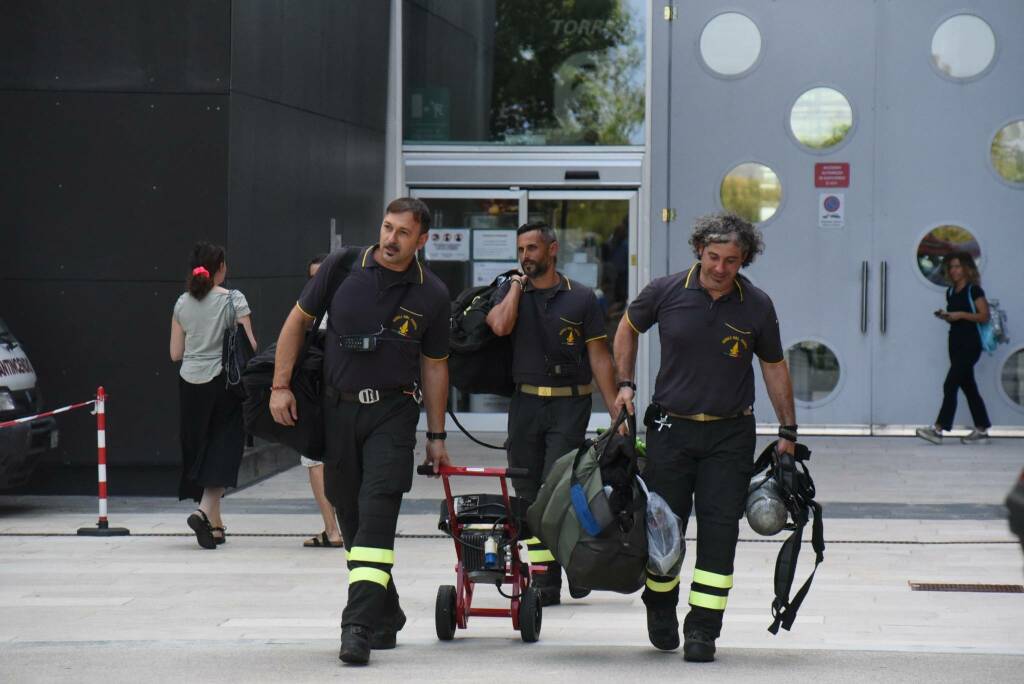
752	191
730	44
938	244
1013	377
821	118
963	46
1008	152
814	369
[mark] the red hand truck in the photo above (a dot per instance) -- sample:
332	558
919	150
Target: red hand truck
486	529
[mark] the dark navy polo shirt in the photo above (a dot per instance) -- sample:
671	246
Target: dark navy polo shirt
360	306
564	318
707	345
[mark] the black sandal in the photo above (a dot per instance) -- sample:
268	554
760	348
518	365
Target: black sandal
200	524
322	541
222	537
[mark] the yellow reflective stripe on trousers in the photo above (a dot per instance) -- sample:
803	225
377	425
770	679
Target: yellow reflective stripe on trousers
369	554
708	600
712	579
540	556
662	587
369	575
533	541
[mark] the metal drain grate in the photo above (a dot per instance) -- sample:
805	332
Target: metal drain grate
987	588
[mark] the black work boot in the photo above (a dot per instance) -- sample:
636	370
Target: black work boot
578	592
663	628
355	645
386	637
699	647
549	585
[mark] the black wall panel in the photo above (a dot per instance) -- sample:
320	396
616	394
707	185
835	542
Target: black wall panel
105	192
108	186
287	181
324	56
291	172
115	45
83	334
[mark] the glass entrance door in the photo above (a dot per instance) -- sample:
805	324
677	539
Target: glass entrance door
473	241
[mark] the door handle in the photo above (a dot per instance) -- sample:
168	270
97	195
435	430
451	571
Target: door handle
863	297
883	273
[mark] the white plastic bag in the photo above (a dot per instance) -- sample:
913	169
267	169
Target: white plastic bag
664	541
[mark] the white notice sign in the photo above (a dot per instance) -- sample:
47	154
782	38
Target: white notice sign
447	244
494	244
484	272
831	209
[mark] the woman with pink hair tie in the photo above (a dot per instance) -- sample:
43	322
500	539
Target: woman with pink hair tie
212	433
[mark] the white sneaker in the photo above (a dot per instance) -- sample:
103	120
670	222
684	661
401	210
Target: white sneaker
976	437
929	434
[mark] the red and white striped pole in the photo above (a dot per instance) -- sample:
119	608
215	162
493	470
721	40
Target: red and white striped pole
102	528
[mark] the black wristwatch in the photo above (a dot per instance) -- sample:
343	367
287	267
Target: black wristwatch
431	436
788	432
627	383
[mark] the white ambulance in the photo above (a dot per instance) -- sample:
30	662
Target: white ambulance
21	445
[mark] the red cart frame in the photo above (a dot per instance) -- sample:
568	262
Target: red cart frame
455	603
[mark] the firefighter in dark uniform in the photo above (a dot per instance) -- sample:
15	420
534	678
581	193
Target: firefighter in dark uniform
387	341
712	322
559	347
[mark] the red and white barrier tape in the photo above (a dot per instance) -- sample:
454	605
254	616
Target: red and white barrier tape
47	414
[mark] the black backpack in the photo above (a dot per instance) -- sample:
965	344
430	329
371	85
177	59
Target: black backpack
480	362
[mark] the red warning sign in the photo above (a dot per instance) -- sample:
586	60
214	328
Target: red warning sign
832	175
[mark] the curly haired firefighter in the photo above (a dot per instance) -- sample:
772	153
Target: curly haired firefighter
712	322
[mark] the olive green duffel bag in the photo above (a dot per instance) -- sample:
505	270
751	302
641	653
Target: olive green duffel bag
590	513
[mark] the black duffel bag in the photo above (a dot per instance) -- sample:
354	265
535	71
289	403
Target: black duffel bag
479	361
307	435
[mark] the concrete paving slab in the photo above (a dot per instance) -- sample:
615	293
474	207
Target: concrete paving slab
262	608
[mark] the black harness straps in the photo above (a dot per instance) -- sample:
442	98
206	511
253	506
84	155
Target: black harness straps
798	492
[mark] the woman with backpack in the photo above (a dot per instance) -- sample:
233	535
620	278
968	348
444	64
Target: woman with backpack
966	307
211	429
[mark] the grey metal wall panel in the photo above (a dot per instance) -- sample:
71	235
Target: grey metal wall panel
110	186
115	45
323	56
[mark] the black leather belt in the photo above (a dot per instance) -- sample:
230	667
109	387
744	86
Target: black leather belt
368	395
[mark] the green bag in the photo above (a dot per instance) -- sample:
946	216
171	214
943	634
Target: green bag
590	513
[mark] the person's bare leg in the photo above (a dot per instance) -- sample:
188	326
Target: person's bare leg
316	483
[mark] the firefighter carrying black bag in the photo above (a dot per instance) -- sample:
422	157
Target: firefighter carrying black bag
786	491
480	362
590	513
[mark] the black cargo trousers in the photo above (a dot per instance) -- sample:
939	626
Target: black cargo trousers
706	465
540	431
368	465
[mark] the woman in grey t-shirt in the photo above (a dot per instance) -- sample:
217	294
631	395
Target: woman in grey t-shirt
211	429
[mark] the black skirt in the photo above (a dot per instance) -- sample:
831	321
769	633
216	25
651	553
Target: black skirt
212	437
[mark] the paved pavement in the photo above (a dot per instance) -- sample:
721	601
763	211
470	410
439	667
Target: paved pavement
261	608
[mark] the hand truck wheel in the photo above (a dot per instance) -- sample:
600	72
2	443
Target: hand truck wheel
529	615
444	612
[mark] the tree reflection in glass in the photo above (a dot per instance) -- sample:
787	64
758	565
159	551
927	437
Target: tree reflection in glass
1008	152
525	72
821	118
752	191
